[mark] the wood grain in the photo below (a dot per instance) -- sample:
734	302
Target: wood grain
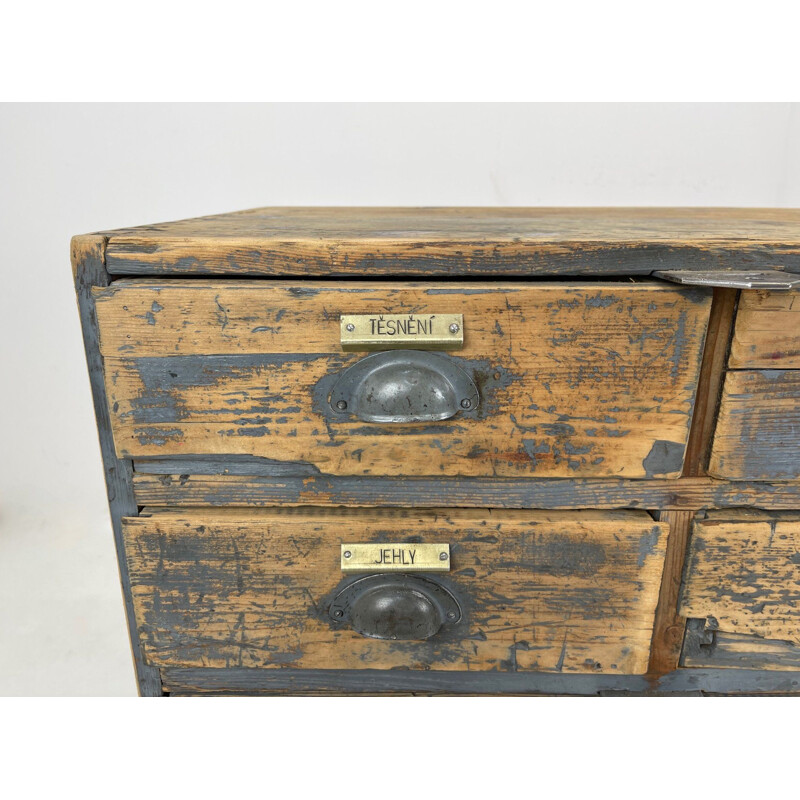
169	486
460	241
758	429
553	591
576	380
374	682
743	573
312	682
767	332
668	627
709	385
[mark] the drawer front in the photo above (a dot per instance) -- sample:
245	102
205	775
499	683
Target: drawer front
533	590
767	331
570	380
758	429
741	590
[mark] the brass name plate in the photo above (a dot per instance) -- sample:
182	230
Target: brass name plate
395	331
382	557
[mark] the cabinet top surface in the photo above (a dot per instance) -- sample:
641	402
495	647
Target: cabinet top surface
476	224
339	240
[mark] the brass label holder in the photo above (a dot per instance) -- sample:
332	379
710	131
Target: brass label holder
393	557
401	331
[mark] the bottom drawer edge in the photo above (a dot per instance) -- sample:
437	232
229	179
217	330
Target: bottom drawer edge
288	681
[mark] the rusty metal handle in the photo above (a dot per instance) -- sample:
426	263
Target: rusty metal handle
404	386
391	606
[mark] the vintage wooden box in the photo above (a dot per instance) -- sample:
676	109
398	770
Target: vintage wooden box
501	450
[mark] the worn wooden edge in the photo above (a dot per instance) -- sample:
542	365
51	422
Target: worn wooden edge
336	241
668	625
183	488
88	271
379	682
706	647
717	345
458	258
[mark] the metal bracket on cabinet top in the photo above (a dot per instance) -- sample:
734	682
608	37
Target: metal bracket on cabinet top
772	279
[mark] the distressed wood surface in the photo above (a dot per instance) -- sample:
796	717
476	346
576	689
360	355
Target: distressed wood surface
767	333
710	380
554	591
372	682
706	647
171	484
576	380
668	627
460	241
87	253
681	682
758	430
743	573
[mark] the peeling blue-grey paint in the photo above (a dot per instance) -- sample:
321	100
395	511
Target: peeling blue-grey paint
664	458
647	545
601	300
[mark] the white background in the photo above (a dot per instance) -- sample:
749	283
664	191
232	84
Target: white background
67	169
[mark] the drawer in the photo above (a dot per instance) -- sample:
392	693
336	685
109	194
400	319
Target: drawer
576	379
525	590
758	430
741	591
767	331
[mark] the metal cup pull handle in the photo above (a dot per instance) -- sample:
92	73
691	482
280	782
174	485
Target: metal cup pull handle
404	386
395	607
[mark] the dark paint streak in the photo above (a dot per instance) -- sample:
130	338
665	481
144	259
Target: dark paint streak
223	465
295	487
372	681
473	258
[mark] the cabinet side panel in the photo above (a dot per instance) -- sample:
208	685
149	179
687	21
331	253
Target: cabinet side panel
89	271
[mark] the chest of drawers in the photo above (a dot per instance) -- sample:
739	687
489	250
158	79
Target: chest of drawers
468	451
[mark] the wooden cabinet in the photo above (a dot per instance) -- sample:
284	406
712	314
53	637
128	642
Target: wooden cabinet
608	394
